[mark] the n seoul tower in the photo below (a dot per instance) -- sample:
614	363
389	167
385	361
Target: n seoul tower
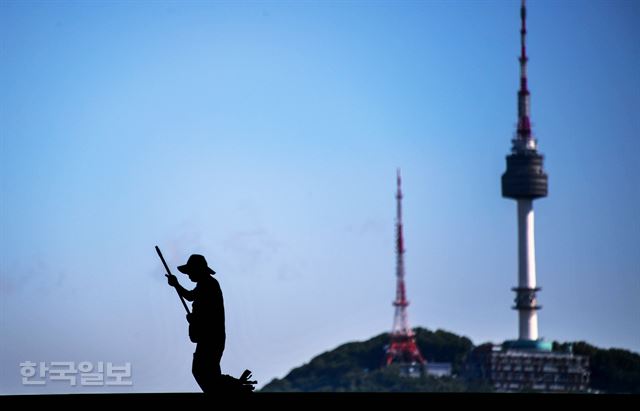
528	363
524	181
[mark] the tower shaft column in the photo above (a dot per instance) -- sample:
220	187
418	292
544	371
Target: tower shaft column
528	317
526	245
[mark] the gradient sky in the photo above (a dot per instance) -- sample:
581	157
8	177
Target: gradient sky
266	135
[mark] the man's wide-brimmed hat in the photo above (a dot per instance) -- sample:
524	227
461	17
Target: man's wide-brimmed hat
196	264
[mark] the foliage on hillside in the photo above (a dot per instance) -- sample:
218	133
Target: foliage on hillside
358	366
613	370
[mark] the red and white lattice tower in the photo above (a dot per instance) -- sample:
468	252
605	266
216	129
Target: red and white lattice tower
403	348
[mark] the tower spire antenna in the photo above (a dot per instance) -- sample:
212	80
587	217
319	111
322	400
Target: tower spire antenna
524	139
403	348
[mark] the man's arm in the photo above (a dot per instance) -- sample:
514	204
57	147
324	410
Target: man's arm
188	295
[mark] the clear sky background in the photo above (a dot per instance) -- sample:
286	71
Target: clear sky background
266	135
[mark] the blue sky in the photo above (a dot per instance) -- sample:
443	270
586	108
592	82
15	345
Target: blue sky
265	135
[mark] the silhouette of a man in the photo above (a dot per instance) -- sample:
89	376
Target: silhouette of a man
206	321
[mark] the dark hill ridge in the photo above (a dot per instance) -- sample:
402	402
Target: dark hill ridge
357	366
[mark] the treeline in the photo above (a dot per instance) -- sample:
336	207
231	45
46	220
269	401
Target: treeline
358	366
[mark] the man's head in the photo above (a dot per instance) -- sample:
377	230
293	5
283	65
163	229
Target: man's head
196	268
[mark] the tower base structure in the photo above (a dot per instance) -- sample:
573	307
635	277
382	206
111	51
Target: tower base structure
528	345
404	350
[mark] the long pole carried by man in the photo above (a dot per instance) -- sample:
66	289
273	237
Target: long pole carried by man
184	304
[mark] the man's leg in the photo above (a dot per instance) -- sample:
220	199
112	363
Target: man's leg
206	368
